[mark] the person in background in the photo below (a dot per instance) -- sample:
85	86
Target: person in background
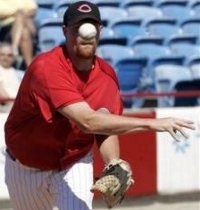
17	26
9	81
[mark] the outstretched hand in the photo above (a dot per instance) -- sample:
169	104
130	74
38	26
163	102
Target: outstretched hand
173	125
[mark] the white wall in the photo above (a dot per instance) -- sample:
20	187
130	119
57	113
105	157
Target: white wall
178	163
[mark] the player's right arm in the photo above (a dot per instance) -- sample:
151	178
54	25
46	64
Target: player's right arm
91	121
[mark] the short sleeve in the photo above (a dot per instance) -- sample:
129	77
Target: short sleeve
52	86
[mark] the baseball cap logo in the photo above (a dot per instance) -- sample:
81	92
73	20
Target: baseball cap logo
85	8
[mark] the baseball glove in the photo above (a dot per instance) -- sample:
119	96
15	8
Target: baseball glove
114	182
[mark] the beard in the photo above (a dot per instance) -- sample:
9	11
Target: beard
85	51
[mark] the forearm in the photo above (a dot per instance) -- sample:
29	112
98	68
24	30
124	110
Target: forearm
114	125
109	148
91	121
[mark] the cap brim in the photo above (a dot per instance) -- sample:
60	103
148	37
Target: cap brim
78	19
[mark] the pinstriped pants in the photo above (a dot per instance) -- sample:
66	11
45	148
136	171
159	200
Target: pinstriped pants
32	189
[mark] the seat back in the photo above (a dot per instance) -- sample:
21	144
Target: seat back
113	53
175	9
50	34
187	86
109	14
129	73
128	3
195	71
166	77
144	12
185	49
128	28
150	47
191	27
163	27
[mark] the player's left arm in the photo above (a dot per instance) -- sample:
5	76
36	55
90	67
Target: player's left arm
108	147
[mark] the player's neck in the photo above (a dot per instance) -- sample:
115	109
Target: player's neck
82	64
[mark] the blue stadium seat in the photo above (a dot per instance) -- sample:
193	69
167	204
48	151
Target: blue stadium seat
149	46
48	4
107	32
185	49
191	26
109	14
181	38
152	48
50	34
43	14
106	3
192	60
128	3
113	53
163	27
108	36
166	77
195	70
128	28
177	9
193	85
129	73
195	7
144	12
169	60
60	7
113	40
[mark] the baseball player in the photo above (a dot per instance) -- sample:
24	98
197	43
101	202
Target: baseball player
68	99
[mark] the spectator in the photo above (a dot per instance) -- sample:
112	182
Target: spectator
9	81
16	20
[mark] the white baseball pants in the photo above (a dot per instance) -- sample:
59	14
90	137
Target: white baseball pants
32	189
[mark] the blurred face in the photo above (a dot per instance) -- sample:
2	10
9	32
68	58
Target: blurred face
83	49
6	56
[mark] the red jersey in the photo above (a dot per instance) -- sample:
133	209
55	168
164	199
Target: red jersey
35	132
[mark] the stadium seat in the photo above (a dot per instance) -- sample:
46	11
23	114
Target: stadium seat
128	28
163	27
113	40
195	71
129	73
144	12
169	60
113	53
193	85
43	14
183	38
185	49
108	36
128	3
177	9
50	34
166	77
109	14
163	60
60	7
106	3
195	7
107	32
192	60
191	26
149	46
48	4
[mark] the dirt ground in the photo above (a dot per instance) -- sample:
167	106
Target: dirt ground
172	202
